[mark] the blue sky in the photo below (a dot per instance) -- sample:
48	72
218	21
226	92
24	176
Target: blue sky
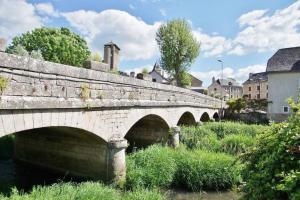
243	33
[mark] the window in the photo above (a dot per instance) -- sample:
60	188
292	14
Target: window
267	95
258	87
267	87
249	96
215	89
285	109
154	80
249	89
258	96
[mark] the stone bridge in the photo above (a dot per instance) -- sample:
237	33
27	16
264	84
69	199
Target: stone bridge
78	121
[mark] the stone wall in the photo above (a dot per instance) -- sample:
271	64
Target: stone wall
34	84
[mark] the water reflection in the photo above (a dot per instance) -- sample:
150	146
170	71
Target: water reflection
183	195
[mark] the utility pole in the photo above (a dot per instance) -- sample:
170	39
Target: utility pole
220	61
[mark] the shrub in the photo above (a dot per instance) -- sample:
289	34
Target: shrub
274	164
198	170
200	138
153	167
236	144
56	44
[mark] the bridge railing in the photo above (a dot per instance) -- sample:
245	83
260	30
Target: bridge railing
27	83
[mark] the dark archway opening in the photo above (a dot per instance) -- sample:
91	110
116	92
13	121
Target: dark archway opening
216	117
204	117
147	131
48	155
187	119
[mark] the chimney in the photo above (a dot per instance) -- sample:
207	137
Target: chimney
213	79
132	74
112	56
2	44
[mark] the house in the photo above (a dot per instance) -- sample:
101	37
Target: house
256	87
159	75
225	88
196	85
283	70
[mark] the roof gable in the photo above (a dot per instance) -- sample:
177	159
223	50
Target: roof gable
287	59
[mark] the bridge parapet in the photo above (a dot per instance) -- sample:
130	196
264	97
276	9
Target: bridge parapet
28	83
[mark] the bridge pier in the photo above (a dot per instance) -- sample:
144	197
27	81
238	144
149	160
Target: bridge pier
174	136
116	160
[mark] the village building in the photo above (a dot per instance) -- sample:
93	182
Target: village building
225	89
283	70
256	86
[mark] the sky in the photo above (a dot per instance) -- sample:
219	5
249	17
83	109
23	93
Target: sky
244	34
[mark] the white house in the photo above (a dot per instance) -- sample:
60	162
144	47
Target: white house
283	70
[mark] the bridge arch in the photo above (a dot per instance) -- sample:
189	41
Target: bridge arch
146	131
216	117
66	150
204	117
187	118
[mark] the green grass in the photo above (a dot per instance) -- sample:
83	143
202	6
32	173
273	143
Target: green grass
83	191
236	144
195	170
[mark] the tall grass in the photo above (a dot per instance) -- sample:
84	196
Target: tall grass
83	191
194	170
236	144
153	167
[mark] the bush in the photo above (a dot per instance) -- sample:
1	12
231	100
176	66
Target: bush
199	138
274	164
56	44
198	170
236	144
153	167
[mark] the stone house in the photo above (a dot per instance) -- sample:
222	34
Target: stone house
283	70
225	89
256	86
159	75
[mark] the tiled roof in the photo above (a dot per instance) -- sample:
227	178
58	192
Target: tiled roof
225	82
285	60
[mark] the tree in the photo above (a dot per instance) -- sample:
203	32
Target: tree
236	105
55	44
178	48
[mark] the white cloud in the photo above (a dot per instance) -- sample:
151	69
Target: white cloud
46	9
16	17
135	37
260	32
240	75
212	45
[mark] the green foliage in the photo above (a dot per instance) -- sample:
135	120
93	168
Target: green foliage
96	57
3	84
145	71
7	146
19	50
198	170
185	79
236	144
236	105
178	47
227	128
36	54
194	170
153	167
56	44
274	164
199	137
83	191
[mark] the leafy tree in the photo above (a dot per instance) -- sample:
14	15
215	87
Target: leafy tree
56	44
185	79
178	48
236	105
96	57
272	167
